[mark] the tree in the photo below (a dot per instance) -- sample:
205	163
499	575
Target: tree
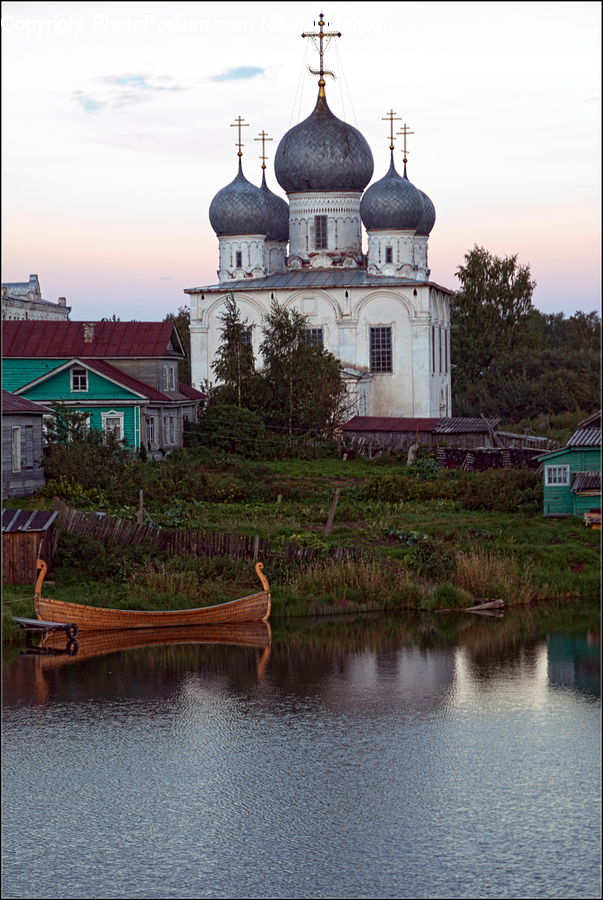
234	366
303	387
65	425
182	321
490	315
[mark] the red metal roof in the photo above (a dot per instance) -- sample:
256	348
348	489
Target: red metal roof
190	392
107	340
388	423
13	404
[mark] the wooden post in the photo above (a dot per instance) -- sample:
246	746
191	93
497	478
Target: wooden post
329	525
256	548
140	513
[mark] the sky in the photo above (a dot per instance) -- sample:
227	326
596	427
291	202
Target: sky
116	134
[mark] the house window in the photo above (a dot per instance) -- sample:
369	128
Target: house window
16	448
239	259
169	377
556	475
320	232
389	255
113	422
314	336
79	379
151	425
28	447
381	349
169	430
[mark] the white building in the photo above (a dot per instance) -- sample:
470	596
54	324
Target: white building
23	300
378	312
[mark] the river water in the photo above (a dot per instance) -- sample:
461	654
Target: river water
422	756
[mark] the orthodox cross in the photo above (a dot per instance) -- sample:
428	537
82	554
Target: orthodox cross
322	36
263	138
239	123
391	117
405	130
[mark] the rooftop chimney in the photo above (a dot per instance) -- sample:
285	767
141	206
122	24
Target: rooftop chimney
62	301
88	332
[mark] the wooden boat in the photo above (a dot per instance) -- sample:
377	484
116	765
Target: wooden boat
254	608
480	606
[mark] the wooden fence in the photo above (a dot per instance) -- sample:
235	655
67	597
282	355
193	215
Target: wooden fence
181	542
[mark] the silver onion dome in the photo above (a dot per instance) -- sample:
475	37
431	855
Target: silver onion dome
392	203
239	208
323	153
278	214
429	216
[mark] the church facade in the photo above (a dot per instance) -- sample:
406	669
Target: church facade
377	312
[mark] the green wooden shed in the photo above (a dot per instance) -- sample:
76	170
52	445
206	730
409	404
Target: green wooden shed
572	475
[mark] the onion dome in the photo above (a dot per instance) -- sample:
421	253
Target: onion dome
278	214
428	218
239	208
323	153
392	203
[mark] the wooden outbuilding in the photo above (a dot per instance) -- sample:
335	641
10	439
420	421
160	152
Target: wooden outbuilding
26	534
371	434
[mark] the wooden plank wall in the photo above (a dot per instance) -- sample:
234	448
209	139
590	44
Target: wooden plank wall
20	551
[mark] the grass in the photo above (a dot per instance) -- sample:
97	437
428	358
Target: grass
420	554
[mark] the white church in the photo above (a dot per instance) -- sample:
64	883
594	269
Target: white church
377	312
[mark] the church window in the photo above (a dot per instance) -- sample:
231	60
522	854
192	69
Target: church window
320	232
445	350
314	336
381	349
79	379
246	336
389	255
239	257
433	349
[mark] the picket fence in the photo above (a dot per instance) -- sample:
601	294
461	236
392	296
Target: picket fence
182	542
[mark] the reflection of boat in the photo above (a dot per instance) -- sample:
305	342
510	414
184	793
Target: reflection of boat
97	643
254	608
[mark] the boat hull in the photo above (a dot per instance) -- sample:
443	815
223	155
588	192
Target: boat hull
254	608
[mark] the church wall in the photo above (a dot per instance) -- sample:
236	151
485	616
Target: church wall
418	319
344	231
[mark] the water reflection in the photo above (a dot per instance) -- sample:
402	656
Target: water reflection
391	757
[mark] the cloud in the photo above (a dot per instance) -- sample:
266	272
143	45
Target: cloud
166	278
120	91
238	74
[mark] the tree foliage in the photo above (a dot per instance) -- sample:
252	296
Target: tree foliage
489	315
302	384
234	366
182	321
510	359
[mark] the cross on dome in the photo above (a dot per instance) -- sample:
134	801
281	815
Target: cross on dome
322	36
239	123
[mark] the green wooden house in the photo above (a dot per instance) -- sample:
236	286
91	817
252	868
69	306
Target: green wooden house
572	475
122	375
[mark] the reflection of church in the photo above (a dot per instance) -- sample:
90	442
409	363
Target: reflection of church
378	313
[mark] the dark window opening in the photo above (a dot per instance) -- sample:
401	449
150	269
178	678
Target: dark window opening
320	232
314	336
239	256
389	255
381	349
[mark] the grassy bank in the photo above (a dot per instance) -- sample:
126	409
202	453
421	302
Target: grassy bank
427	539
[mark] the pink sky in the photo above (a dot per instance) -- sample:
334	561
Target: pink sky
116	134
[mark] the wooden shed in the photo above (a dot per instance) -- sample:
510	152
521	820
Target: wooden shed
372	434
26	534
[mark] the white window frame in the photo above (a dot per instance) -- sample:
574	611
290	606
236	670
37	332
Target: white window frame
376	352
151	430
79	370
112	414
557	476
16	448
169	377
